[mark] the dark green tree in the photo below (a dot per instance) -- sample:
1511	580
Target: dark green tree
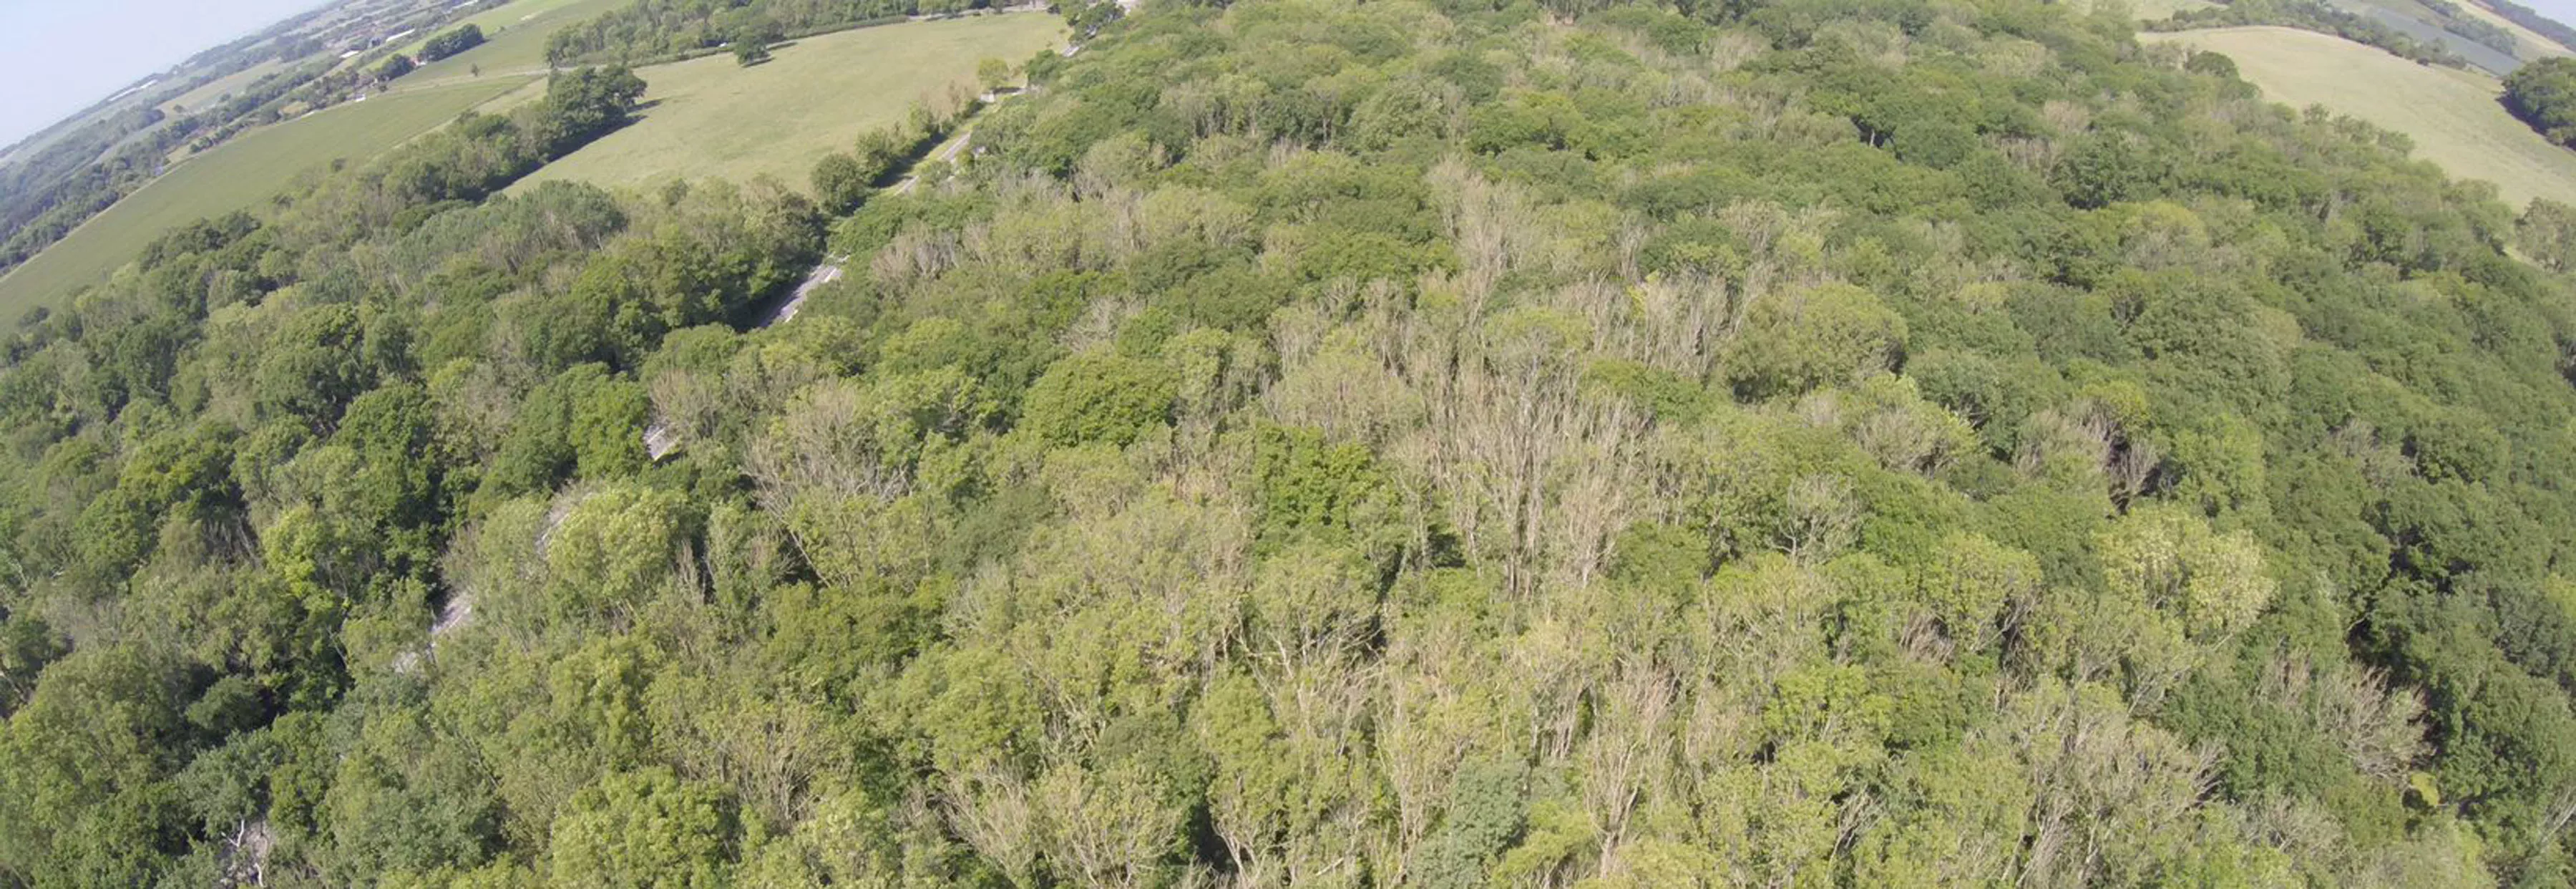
448	43
2543	93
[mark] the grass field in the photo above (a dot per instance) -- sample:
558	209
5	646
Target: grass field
233	176
514	38
501	104
712	118
2452	115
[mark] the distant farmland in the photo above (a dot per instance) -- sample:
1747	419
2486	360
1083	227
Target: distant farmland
2527	44
197	99
234	176
2452	115
712	118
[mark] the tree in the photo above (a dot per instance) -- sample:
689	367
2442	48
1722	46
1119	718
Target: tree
406	797
2164	557
840	183
749	50
612	550
2106	168
994	74
583	104
2543	94
464	37
1970	583
1098	398
645	829
2547	234
1794	342
83	772
394	67
1112	829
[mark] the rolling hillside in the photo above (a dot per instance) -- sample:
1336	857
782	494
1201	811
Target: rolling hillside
2452	115
232	177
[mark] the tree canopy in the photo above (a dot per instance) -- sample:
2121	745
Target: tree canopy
1307	442
2543	93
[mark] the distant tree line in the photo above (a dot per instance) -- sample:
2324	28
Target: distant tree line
46	194
658	29
2476	30
2539	24
52	189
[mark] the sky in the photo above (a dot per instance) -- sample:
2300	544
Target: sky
60	56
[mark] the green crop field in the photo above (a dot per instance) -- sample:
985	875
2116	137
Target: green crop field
514	39
233	176
2452	115
712	118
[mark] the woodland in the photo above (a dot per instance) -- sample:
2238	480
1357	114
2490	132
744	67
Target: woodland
1833	443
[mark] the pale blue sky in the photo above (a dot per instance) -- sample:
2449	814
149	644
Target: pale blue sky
59	56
